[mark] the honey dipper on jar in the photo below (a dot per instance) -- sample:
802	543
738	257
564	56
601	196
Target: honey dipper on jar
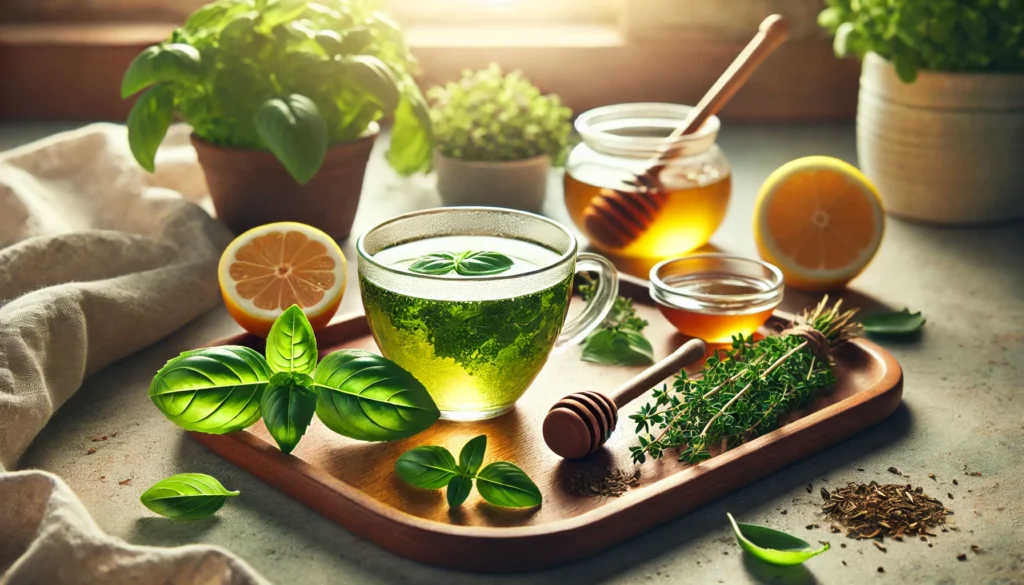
616	218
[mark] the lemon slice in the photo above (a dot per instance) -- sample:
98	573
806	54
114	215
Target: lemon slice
820	220
272	267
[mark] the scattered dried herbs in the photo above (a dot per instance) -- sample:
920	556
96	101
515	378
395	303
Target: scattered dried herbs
604	483
961	557
875	511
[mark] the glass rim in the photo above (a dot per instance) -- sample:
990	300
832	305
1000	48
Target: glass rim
562	258
661	289
586	122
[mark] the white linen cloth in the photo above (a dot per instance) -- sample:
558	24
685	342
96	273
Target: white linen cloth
89	242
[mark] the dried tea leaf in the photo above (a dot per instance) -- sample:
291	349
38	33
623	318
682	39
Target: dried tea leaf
772	546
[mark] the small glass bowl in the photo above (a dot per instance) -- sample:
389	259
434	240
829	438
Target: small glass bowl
716	296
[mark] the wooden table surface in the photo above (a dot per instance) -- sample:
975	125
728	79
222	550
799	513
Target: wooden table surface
963	409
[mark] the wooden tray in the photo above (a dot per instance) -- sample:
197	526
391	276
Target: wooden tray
353	483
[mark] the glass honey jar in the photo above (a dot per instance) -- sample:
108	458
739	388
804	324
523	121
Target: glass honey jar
636	227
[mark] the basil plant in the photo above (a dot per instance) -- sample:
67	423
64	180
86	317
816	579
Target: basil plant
289	76
353	392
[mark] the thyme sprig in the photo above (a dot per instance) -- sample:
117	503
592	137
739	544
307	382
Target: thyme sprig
742	394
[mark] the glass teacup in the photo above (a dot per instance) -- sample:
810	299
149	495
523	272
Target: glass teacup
476	341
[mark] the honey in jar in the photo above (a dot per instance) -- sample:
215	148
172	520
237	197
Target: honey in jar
639	227
715	296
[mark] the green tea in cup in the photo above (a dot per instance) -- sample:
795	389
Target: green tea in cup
472	300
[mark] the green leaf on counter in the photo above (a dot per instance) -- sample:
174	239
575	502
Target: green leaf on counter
618	347
901	323
186	496
287	411
214	390
426	467
472	455
458	490
504	484
291	344
368	397
772	546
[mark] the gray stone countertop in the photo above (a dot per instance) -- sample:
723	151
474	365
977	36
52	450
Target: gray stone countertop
963	409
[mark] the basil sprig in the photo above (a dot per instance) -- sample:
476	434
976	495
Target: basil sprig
464	264
501	483
186	496
355	393
619	340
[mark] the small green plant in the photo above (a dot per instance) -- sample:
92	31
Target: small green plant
289	76
619	340
938	35
488	116
353	392
501	483
186	496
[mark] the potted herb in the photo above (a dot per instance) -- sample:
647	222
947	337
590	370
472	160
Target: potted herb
283	97
940	118
497	138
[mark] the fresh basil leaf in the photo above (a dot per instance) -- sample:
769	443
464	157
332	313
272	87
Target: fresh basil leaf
173	62
458	490
436	263
287	412
482	263
367	397
772	546
356	39
279	11
504	484
330	41
215	390
148	121
901	323
186	496
213	17
618	348
370	75
412	135
472	455
426	467
294	131
291	344
841	44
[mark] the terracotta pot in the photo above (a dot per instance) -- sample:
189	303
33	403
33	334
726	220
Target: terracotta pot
250	188
946	148
518	184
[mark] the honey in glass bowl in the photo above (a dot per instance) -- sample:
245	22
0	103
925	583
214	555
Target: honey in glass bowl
635	228
716	296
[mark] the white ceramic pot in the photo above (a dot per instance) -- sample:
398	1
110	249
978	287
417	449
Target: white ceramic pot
948	148
520	184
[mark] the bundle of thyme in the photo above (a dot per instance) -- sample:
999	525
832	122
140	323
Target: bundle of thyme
742	394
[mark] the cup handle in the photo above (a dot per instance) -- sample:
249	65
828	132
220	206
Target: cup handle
600	304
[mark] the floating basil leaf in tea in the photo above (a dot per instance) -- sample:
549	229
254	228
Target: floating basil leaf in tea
465	263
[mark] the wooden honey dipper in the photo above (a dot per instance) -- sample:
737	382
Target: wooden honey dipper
581	423
617	218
